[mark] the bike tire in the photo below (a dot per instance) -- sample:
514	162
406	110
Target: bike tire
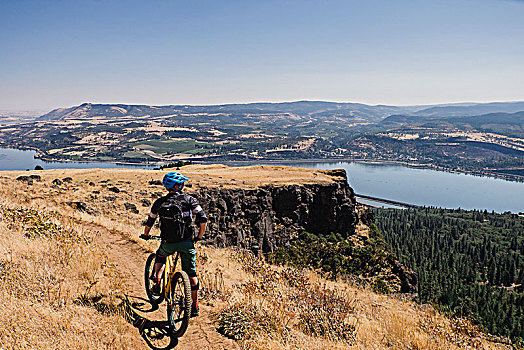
149	270
179	304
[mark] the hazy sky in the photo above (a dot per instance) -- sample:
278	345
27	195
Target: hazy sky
61	53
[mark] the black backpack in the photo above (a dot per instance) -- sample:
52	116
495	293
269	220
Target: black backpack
172	221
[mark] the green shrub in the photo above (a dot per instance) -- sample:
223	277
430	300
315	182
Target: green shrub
334	254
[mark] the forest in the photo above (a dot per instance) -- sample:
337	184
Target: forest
469	263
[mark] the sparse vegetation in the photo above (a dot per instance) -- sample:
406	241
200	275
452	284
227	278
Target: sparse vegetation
269	306
281	303
48	270
63	288
365	256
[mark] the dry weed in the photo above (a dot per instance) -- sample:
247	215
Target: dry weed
281	305
46	264
285	308
58	292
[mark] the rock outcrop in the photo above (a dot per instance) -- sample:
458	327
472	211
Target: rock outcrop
269	217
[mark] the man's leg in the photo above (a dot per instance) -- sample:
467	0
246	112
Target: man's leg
164	250
188	257
160	263
159	267
194	290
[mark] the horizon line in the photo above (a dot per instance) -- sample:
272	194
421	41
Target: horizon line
254	102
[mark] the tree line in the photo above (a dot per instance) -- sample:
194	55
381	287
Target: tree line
469	263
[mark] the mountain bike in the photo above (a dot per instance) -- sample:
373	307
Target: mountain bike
175	288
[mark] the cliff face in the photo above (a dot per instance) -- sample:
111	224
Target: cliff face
260	208
268	217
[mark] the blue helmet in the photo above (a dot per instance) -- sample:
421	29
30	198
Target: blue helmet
173	178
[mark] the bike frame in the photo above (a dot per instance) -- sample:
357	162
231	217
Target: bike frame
169	272
177	291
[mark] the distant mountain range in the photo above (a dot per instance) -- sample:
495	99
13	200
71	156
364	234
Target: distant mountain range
301	108
471	110
314	109
509	124
479	138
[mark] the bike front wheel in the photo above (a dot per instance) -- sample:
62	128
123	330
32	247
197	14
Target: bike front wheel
148	279
179	303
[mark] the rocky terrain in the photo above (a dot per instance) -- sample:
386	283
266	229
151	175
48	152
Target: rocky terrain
248	207
74	233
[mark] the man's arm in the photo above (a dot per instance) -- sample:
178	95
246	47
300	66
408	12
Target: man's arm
149	223
201	229
151	218
200	217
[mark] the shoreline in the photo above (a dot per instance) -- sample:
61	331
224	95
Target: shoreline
512	178
506	177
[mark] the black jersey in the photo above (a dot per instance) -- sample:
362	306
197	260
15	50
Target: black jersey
175	212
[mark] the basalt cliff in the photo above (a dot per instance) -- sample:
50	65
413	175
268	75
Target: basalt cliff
72	265
259	208
269	217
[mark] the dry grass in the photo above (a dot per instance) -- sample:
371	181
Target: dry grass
270	307
48	268
213	175
51	268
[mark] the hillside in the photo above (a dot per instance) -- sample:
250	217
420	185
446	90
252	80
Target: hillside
301	108
472	109
71	267
468	262
450	137
489	144
508	124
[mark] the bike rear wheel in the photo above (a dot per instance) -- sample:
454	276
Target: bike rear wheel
148	274
179	303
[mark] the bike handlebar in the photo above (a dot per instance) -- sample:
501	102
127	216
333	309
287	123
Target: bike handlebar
148	237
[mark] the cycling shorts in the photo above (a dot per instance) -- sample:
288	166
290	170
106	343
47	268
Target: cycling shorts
187	254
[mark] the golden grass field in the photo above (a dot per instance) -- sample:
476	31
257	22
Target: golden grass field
69	277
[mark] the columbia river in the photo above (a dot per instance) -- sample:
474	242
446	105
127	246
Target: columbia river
416	186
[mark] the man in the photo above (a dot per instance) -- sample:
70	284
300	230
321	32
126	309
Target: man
176	211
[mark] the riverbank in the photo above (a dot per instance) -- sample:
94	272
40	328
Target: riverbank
494	173
17	159
109	161
407	183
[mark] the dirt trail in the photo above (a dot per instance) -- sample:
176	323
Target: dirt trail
129	258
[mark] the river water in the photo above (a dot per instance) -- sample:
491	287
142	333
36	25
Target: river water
394	182
430	187
14	159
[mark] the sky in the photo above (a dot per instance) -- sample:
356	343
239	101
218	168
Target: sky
60	53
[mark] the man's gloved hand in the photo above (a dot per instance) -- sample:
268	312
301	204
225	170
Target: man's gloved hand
144	237
196	239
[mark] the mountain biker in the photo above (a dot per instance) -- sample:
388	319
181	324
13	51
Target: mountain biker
177	235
